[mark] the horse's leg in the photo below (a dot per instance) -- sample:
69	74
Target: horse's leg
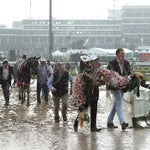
28	91
19	90
22	94
19	94
22	97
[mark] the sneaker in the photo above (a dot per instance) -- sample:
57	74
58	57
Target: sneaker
111	125
75	126
124	125
96	129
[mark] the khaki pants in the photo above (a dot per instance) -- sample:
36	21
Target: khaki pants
56	100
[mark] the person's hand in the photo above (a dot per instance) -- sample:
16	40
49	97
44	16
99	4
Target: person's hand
54	90
71	92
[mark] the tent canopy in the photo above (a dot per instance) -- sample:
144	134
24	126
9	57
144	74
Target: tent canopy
57	53
100	52
108	52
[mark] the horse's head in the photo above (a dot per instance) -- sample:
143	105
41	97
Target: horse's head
32	63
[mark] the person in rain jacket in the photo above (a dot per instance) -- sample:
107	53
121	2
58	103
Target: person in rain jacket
42	78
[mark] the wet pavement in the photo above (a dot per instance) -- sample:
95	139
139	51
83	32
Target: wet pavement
32	127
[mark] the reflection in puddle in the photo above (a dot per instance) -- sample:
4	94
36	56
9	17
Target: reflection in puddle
33	127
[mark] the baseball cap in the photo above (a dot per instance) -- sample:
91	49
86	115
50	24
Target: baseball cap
93	57
42	59
5	60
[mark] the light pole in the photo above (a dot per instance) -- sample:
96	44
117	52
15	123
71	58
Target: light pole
30	27
50	30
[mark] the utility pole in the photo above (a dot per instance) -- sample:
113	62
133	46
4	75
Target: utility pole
50	30
30	27
114	17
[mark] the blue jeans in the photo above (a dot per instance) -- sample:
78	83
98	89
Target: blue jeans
117	107
45	90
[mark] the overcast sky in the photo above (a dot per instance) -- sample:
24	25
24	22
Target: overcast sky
16	10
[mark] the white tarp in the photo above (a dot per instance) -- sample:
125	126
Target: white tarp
99	52
57	53
143	51
107	52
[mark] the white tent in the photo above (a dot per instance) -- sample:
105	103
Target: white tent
100	52
136	51
74	51
143	51
57	53
108	52
97	51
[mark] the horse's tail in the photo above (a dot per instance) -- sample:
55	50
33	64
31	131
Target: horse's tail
18	71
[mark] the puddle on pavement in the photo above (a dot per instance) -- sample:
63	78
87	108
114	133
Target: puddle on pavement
25	127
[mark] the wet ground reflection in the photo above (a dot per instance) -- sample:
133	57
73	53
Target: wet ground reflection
33	127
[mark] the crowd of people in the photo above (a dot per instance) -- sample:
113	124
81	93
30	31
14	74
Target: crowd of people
56	79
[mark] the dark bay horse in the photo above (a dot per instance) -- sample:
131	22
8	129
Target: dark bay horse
23	71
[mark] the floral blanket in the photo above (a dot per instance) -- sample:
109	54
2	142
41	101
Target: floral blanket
105	76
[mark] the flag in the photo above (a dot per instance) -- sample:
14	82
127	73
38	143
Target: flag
86	42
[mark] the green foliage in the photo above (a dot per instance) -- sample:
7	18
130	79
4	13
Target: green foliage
34	76
72	71
144	69
147	78
140	68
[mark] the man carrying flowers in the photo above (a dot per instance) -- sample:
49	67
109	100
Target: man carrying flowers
90	92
